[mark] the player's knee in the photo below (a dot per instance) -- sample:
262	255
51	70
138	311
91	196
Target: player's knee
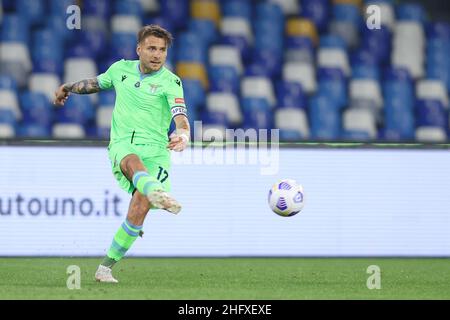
130	164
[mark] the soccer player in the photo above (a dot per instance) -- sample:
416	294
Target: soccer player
148	97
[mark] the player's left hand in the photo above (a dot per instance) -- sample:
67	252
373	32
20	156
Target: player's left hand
178	142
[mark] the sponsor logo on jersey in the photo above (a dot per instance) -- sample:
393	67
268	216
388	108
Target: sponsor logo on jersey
179	100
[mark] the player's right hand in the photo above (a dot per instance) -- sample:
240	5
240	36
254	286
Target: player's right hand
61	96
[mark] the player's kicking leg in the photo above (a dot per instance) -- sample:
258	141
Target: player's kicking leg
149	194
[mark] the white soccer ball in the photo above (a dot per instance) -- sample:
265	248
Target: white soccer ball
286	198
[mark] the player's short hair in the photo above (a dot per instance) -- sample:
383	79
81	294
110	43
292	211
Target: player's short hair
156	31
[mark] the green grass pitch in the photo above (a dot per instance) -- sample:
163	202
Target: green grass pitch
228	278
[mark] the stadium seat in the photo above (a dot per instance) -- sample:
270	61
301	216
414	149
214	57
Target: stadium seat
226	55
68	131
100	8
366	89
317	11
7	131
324	117
125	23
258	87
289	7
347	31
347	12
302	73
14	30
46	83
31	11
237	26
7	82
237	8
191	47
332	84
269	61
78	109
15	61
128	7
359	120
95	24
333	58
36	108
257	113
191	70
194	94
432	90
33	130
410	12
431	113
104	116
299	49
205	29
214	125
76	69
107	98
292	119
365	71
302	27
224	78
206	9
59	7
175	12
290	94
226	103
8	100
430	134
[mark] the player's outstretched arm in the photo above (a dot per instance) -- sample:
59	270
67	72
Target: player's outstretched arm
81	87
180	138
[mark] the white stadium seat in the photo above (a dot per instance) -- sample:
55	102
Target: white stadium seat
150	6
46	83
8	100
77	69
237	26
289	7
15	60
358	119
303	73
104	116
431	134
432	89
125	23
292	119
6	131
334	58
259	87
94	23
67	131
366	89
226	55
227	103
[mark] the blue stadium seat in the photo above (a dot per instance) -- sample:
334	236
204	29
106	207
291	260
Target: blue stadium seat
106	98
439	30
395	73
36	108
317	11
123	46
270	59
176	12
33	130
128	7
78	109
7	116
79	50
99	8
363	56
224	78
31	11
240	42
214	118
332	84
194	94
7	82
190	47
59	7
332	41
95	41
410	11
205	28
347	13
237	8
365	71
269	11
161	21
431	113
355	135
257	113
325	119
378	42
399	122
290	94
57	23
13	29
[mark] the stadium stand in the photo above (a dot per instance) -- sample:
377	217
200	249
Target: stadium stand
312	68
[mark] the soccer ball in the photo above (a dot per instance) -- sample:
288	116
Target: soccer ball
286	198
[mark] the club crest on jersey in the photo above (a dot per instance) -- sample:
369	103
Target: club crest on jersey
154	87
